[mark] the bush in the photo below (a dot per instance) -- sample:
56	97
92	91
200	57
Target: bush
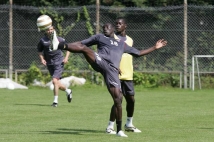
149	80
33	73
207	81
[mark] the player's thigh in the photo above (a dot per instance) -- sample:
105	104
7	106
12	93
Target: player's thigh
111	76
89	55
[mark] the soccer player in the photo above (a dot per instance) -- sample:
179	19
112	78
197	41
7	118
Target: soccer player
126	80
54	60
106	61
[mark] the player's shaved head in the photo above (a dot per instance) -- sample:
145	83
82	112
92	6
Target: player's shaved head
122	19
109	24
108	29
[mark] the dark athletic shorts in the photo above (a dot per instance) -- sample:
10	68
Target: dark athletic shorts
56	70
127	87
109	72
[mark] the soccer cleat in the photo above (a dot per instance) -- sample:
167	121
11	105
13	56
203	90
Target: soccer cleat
110	131
54	104
132	129
121	134
69	96
54	40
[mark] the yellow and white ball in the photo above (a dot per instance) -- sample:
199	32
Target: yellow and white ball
44	22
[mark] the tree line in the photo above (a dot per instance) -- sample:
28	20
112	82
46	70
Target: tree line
121	3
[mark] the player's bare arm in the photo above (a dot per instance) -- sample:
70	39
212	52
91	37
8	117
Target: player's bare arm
43	61
159	44
65	60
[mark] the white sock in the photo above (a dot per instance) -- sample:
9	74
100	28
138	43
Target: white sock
129	122
68	91
55	99
111	124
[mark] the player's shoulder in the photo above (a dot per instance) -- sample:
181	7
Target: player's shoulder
129	38
96	36
44	39
61	39
100	36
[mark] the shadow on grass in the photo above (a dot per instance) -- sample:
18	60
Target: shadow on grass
32	104
207	128
71	131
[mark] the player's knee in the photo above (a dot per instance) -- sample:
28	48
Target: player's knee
85	49
130	99
80	46
117	102
54	81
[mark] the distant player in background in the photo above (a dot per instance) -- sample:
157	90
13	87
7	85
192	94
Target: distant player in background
126	79
107	61
54	60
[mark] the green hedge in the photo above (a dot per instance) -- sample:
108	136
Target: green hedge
146	80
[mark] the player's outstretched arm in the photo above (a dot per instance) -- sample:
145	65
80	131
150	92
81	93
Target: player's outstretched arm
159	44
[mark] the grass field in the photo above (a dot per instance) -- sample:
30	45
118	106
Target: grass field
163	115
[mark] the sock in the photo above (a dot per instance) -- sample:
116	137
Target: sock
129	122
118	125
68	91
63	45
111	124
55	99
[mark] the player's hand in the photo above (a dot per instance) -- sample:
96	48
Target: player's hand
160	43
65	60
43	62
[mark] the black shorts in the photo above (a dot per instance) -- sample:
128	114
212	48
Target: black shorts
56	70
109	72
127	87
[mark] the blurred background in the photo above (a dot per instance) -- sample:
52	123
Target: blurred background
187	25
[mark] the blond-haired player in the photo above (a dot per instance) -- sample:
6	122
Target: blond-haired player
54	60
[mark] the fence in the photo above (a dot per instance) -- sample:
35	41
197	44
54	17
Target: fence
145	26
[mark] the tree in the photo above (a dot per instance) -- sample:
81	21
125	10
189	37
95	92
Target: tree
126	3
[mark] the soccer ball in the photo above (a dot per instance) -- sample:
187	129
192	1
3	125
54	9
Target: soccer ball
44	22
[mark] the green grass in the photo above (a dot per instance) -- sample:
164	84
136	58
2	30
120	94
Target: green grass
163	115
